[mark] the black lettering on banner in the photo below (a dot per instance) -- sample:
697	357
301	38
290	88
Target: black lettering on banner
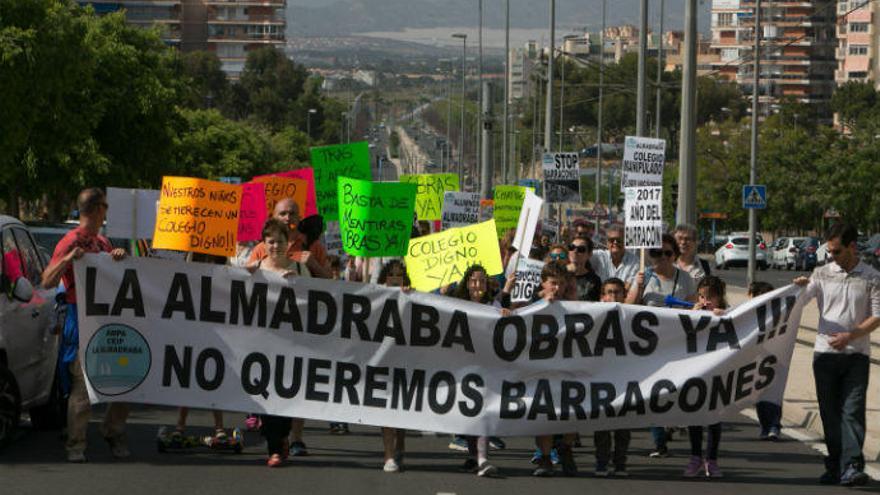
93	308
512	404
201	369
657	393
640	329
683	401
389	323
347	377
776	312
744	378
690	331
286	310
610	335
357	318
766	371
179	298
316	299
372	384
173	365
424	318
284	391
501	326
761	315
577	327
728	335
469	388
433	392
544	341
135	302
260	385
542	403
459	332
722	390
205	311
573	395
789	305
412	392
249	307
314	378
602	394
633	400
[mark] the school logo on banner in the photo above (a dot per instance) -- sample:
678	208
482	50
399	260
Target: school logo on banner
117	359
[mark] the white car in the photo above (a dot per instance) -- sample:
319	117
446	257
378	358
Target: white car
785	252
29	335
735	251
822	255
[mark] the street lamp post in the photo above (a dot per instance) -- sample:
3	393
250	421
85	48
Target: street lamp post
463	38
309	122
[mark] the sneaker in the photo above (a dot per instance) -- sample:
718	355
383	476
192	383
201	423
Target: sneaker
537	456
712	469
621	472
773	434
275	460
391	466
569	468
695	468
469	466
853	477
829	478
601	470
298	449
554	457
252	422
544	470
458	443
659	453
76	456
487	470
496	443
118	446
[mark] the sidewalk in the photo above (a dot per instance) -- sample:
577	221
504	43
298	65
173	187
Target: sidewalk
800	408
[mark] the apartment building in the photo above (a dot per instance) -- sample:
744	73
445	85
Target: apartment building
166	14
857	42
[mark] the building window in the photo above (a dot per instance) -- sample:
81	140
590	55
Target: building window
858	27
858	49
858	75
725	19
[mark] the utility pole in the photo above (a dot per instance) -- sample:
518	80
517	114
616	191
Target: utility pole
463	38
486	171
753	168
548	118
659	71
599	120
448	147
561	99
641	102
479	85
687	166
505	141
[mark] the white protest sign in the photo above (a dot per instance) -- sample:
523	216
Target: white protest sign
460	209
218	337
550	228
528	279
132	213
333	238
528	221
643	162
562	178
643	227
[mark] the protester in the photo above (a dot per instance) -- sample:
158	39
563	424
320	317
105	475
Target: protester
847	292
616	262
587	282
86	238
686	239
769	413
393	274
557	252
613	290
711	296
305	246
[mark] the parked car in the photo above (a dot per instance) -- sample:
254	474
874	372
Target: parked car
735	251
806	257
870	251
47	236
785	251
29	335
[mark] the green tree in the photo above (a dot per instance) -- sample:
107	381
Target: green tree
854	101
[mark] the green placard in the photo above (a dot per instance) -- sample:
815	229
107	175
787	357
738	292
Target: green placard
508	203
429	195
375	219
332	162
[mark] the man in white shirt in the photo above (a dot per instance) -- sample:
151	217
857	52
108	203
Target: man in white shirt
616	262
847	292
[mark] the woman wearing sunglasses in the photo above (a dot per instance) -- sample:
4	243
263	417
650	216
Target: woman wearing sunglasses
588	284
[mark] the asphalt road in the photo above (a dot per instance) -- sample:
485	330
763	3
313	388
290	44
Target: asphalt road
736	277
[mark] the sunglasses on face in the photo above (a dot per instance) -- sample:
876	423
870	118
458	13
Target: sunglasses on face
656	253
580	249
557	256
615	240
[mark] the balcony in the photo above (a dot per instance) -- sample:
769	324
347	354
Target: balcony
245	3
276	18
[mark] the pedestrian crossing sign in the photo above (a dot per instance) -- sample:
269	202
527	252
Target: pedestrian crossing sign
754	197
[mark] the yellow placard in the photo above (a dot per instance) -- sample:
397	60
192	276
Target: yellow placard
197	215
440	259
278	188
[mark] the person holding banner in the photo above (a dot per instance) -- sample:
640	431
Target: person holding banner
587	282
92	205
616	262
304	245
686	239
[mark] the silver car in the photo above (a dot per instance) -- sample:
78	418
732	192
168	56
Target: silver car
735	251
29	335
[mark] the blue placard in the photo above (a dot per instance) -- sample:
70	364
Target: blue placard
754	197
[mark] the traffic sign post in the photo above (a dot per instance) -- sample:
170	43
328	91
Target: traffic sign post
754	197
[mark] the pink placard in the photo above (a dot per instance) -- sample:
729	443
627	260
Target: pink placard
308	175
252	215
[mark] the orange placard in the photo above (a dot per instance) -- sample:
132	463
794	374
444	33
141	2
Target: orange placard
278	188
197	215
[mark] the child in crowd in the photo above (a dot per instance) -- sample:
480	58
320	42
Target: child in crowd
393	274
769	413
613	290
711	296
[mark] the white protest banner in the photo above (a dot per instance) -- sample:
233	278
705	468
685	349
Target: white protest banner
528	279
562	178
528	221
132	212
643	227
643	162
460	209
217	337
